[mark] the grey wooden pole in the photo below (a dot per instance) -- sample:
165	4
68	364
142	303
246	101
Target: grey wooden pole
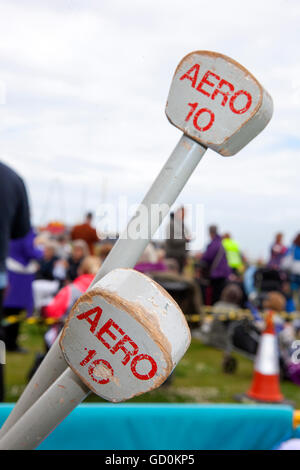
49	410
125	254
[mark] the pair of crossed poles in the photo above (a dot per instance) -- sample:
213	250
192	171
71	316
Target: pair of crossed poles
125	335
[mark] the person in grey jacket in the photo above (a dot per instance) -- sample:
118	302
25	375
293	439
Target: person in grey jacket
177	238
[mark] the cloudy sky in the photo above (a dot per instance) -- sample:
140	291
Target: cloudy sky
83	86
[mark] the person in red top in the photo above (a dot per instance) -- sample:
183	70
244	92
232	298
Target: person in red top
86	232
63	302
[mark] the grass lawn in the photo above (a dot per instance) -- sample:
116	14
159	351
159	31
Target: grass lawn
198	378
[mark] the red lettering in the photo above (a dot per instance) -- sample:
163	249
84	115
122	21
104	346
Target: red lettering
86	316
193	108
105	370
128	354
246	107
194	78
106	329
211	121
143	357
207	82
88	358
225	94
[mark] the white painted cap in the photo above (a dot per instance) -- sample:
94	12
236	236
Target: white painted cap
125	335
217	102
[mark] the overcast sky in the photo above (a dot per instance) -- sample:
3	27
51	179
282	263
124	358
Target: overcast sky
85	84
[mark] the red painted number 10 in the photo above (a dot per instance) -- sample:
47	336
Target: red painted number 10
101	364
199	113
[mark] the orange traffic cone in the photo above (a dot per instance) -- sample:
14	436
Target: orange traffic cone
265	383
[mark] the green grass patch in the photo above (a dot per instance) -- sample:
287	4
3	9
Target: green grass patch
198	378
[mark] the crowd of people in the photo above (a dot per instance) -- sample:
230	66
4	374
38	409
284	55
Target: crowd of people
40	266
44	274
223	263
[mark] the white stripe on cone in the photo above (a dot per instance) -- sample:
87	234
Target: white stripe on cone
266	361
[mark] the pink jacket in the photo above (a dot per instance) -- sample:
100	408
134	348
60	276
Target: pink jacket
67	296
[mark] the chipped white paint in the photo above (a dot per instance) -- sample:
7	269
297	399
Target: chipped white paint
125	302
127	283
217	102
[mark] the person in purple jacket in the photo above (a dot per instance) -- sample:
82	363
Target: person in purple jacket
214	262
21	267
14	223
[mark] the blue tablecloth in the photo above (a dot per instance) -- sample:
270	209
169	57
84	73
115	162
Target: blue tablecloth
170	427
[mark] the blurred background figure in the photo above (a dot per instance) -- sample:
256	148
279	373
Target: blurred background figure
291	263
62	303
177	236
60	306
249	280
231	335
22	266
233	254
49	276
86	232
48	261
274	301
278	250
79	251
214	266
103	250
230	299
151	260
63	247
286	290
165	271
14	223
